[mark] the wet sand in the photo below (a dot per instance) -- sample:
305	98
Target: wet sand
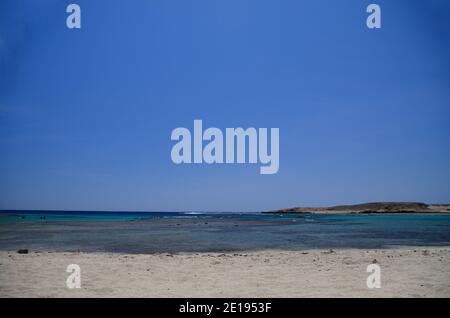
405	272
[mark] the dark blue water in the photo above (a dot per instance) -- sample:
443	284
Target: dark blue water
33	216
142	232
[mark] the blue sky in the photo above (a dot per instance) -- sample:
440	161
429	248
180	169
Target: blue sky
86	115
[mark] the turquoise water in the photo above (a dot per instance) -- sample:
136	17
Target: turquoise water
150	232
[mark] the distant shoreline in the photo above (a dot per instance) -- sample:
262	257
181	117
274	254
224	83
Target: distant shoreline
369	208
363	208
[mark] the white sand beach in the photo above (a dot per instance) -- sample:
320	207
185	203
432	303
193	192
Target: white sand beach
405	272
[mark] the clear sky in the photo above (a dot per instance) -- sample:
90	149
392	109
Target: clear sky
86	115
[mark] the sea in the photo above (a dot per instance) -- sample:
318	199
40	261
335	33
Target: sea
177	232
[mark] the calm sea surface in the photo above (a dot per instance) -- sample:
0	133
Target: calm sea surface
143	232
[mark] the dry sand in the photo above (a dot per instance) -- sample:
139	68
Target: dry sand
341	273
